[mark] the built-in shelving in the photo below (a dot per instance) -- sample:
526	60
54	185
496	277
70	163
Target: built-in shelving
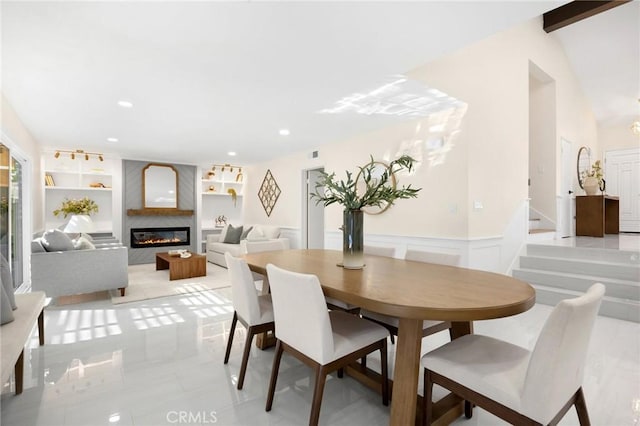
66	178
217	201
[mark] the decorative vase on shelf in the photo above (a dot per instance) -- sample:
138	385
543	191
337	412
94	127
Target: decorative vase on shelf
353	240
590	185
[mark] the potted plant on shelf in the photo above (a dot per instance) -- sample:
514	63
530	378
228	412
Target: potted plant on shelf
80	211
370	188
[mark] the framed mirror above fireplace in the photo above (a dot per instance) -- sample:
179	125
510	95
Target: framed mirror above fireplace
159	186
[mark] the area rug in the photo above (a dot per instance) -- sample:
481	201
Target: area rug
147	283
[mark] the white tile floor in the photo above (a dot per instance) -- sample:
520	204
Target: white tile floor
159	362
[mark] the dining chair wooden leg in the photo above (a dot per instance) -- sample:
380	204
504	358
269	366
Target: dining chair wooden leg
321	377
340	373
581	408
245	356
230	340
277	356
384	370
363	361
427	400
393	339
468	409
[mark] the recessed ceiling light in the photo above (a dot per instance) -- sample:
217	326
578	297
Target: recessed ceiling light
112	139
125	104
284	132
231	153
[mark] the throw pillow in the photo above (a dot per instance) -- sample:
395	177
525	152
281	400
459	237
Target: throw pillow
245	233
56	240
270	232
255	235
7	281
81	243
6	314
87	236
233	235
223	233
36	246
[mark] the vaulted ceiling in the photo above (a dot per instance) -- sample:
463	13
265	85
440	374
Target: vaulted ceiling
206	78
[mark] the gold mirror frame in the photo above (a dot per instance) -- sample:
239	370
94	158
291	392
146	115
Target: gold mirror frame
583	163
159	186
379	169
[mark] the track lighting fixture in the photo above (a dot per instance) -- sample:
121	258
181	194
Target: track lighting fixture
226	167
72	154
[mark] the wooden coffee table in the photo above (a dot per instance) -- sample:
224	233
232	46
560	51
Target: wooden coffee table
180	268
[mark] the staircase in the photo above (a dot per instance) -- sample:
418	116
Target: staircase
562	272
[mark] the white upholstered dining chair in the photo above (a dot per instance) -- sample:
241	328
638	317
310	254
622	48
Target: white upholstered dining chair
429	327
324	340
253	311
518	385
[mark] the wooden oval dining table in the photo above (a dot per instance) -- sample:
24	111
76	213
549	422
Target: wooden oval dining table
412	292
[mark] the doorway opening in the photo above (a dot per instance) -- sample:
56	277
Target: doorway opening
312	212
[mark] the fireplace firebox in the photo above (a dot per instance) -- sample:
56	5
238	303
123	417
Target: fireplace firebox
159	237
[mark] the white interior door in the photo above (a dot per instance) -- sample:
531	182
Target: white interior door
622	176
565	204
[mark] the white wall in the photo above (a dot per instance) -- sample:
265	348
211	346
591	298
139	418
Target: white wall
617	136
542	152
13	128
486	161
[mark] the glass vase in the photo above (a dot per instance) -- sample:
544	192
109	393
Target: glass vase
353	239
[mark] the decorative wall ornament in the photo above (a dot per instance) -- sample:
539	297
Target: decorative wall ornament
269	192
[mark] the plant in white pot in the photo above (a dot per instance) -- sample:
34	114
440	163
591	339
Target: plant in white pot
80	211
370	188
594	179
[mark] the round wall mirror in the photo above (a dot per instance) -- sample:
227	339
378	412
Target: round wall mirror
584	163
376	173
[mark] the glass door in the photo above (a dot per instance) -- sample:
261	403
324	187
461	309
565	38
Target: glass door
11	213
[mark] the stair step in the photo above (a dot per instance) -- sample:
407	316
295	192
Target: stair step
600	254
541	230
613	307
623	289
588	267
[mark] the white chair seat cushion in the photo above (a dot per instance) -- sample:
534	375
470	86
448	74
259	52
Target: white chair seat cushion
483	364
351	333
266	309
394	322
339	303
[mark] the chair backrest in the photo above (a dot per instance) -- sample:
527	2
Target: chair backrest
556	366
380	251
243	290
432	257
300	311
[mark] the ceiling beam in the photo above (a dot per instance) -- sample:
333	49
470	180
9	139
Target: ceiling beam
576	11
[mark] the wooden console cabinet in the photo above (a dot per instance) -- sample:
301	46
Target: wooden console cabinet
597	215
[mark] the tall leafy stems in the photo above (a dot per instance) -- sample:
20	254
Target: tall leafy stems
376	191
76	206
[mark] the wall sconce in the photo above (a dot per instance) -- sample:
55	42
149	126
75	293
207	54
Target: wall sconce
72	154
635	127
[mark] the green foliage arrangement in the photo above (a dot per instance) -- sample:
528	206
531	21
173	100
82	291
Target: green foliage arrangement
74	206
596	172
377	191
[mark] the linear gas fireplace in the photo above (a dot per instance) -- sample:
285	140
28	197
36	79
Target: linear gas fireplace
159	237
